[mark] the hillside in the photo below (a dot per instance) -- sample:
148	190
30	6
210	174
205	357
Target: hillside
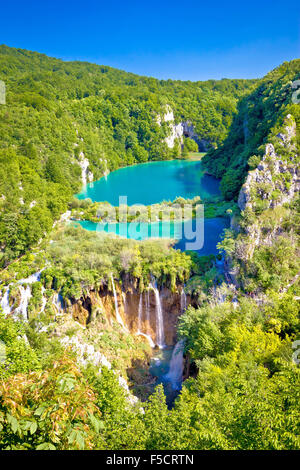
82	312
259	119
67	122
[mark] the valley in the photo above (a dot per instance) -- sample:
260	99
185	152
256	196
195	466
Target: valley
120	334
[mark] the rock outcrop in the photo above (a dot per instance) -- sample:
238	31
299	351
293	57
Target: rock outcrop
275	180
180	130
138	311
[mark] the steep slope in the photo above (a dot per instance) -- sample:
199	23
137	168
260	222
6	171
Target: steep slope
259	119
65	123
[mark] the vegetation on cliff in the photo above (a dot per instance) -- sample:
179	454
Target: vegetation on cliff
239	337
259	118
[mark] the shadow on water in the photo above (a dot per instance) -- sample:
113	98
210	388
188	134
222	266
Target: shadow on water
193	179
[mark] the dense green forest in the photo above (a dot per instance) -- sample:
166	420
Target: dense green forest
57	111
243	390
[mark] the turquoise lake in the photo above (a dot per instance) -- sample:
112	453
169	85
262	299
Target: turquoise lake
212	231
150	183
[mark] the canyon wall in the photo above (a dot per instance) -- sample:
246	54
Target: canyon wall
274	182
152	314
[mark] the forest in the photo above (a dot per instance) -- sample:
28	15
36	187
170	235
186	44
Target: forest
241	327
56	111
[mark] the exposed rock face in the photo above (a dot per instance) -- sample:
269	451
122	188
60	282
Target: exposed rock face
273	174
180	130
274	182
87	354
137	310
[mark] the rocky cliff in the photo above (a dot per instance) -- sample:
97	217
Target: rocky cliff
140	313
274	182
180	130
276	179
152	314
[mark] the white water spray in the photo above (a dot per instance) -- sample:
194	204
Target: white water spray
5	302
140	314
31	279
148	310
57	301
44	300
140	320
174	376
25	296
160	333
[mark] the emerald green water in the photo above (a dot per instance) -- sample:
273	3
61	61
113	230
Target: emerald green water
150	183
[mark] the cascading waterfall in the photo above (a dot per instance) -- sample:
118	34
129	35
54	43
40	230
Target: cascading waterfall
140	314
140	322
174	376
25	296
5	302
118	316
25	293
148	310
44	300
31	279
160	333
58	302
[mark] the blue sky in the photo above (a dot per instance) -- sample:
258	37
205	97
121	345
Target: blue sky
192	40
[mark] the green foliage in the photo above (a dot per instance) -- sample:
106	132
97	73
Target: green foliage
82	260
246	391
18	356
58	111
50	410
260	115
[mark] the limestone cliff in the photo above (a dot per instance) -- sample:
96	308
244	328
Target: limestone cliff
180	130
86	175
138	312
274	182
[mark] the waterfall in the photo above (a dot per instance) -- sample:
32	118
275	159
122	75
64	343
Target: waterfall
58	302
118	316
5	302
148	337
174	376
160	333
31	279
140	314
25	296
44	300
148	311
183	303
140	321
